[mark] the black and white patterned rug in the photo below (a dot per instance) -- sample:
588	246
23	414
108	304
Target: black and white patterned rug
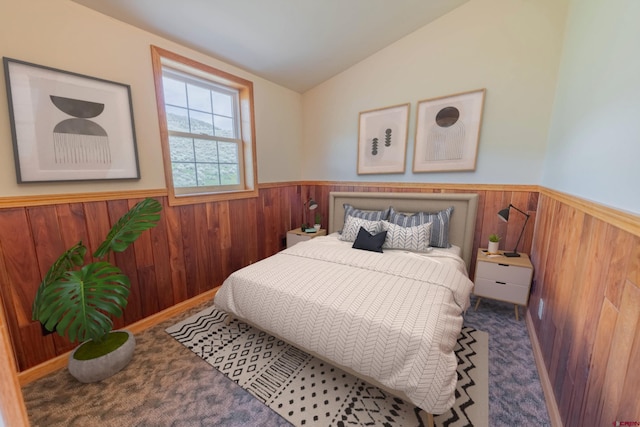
308	392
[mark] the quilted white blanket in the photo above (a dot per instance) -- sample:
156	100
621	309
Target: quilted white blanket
393	317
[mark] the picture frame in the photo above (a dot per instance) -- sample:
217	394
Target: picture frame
382	140
67	126
448	132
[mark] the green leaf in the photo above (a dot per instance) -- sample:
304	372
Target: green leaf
72	257
80	303
143	216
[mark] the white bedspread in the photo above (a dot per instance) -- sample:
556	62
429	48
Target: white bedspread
394	317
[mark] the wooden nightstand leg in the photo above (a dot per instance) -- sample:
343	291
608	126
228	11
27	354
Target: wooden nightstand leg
477	304
516	308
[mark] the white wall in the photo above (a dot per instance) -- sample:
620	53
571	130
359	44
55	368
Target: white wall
510	47
594	139
64	35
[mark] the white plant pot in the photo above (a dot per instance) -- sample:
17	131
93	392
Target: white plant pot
493	247
92	370
317	227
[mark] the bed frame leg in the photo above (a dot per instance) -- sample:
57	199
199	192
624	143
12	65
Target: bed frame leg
228	320
430	420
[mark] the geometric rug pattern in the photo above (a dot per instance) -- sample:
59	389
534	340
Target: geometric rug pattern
308	392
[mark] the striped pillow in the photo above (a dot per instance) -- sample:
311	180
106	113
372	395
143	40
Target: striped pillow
414	238
370	215
440	220
352	226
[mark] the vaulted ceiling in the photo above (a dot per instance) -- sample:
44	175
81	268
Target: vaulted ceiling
295	43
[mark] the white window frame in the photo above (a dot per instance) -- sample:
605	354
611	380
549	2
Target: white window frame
164	60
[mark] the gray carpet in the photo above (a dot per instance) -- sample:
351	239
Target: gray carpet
515	394
308	391
167	385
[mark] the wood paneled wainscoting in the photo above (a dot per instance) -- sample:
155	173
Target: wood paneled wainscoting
192	250
587	273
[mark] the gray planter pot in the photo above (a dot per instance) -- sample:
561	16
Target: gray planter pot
88	371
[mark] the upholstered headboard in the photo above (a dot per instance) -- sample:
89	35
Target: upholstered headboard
463	219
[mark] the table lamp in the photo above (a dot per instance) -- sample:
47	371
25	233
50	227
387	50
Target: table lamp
504	216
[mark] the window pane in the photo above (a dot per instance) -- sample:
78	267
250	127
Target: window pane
181	149
177	118
201	123
208	174
229	174
184	174
228	152
206	151
174	92
222	104
224	127
199	98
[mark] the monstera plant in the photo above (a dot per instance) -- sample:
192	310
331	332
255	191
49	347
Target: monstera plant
78	299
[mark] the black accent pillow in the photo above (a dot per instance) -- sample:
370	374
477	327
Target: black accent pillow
368	241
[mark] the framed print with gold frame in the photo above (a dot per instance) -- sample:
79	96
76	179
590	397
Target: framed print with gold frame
447	132
382	140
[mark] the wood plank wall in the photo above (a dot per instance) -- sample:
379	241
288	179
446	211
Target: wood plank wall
587	272
12	410
193	249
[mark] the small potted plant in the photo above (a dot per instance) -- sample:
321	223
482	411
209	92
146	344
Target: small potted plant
78	299
494	242
318	223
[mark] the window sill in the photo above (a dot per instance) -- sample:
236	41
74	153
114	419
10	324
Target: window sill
214	197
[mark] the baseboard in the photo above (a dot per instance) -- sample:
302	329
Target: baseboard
172	311
59	362
549	395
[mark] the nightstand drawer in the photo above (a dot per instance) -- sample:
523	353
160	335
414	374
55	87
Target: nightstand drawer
297	236
504	291
504	273
292	239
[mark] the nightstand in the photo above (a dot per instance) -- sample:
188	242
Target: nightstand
297	236
503	278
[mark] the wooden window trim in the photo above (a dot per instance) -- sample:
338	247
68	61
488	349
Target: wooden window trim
247	127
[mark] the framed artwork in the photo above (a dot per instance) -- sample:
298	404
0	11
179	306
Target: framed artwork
69	127
447	132
382	140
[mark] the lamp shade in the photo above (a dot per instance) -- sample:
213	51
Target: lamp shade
504	214
312	204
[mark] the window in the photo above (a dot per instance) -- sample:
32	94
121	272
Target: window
204	138
206	127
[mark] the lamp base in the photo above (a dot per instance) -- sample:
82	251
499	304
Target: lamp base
511	254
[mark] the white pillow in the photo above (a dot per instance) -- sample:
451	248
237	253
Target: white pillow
352	226
414	238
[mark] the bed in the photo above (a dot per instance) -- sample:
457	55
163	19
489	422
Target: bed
390	318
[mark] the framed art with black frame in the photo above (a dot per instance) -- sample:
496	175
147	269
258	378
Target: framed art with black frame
382	140
447	132
69	127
